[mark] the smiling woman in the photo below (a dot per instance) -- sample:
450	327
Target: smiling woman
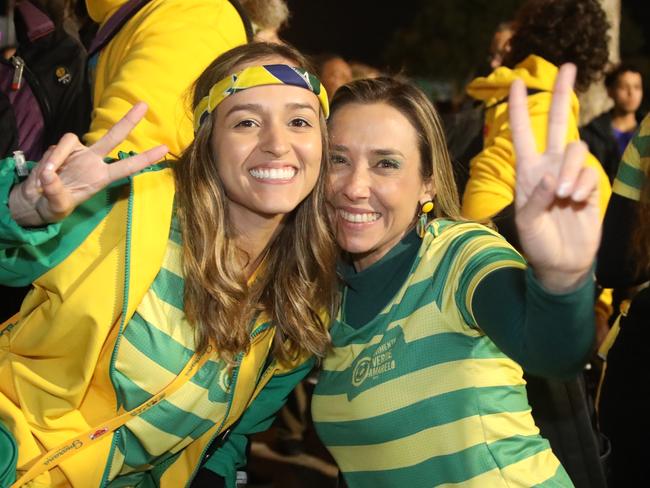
216	279
423	385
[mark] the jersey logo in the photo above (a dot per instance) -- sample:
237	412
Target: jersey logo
375	364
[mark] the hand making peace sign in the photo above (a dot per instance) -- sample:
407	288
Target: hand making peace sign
556	201
70	173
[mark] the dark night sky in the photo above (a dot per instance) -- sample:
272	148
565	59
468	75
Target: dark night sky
355	29
361	29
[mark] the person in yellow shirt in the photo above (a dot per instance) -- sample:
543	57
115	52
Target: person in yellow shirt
155	57
548	33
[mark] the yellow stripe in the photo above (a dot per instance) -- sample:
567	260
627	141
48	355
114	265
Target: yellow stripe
436	441
626	191
168	319
428	321
632	157
422	385
192	398
140	369
341	357
530	471
154	440
116	465
173	260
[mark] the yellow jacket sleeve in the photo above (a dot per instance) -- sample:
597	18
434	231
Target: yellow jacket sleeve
155	58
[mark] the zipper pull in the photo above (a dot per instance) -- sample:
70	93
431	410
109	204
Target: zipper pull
19	66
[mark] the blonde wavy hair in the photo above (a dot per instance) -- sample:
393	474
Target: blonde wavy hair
296	284
435	164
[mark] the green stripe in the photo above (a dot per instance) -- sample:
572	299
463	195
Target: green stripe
156	345
475	264
171	355
169	288
129	395
175	230
46	247
134	453
630	176
185	424
430	412
343	334
451	468
409	358
140	479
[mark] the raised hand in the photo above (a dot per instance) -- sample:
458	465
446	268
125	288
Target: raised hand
70	173
556	201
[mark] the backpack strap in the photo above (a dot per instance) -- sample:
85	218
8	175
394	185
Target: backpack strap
37	22
114	24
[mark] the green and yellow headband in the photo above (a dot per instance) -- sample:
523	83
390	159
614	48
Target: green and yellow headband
270	74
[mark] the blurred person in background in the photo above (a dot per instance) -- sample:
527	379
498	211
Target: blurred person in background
609	134
500	44
333	70
267	18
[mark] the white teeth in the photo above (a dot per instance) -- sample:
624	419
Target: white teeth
359	217
273	173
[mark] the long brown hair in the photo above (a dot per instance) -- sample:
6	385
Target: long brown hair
416	107
296	284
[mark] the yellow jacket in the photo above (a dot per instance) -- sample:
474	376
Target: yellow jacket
55	363
155	57
491	185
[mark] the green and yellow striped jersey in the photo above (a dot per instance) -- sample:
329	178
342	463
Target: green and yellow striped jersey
635	165
156	344
419	396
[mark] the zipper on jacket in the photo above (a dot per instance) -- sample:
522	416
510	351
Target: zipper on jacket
21	73
19	67
233	385
125	303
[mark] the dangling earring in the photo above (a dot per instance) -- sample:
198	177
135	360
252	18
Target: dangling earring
423	217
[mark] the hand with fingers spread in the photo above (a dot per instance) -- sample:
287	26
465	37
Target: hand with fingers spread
70	173
556	201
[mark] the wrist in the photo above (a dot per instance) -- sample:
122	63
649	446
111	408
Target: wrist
562	282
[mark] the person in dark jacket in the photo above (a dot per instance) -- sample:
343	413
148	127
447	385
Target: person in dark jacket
609	133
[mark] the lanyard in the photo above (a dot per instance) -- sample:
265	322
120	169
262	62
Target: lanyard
72	446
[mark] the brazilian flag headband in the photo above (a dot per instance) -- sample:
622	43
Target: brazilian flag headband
270	74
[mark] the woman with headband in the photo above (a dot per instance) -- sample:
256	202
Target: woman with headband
423	386
174	306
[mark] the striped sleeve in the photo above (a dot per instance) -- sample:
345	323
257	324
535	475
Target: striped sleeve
484	252
633	170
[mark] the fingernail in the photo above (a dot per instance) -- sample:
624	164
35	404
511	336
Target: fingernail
49	167
579	195
563	189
